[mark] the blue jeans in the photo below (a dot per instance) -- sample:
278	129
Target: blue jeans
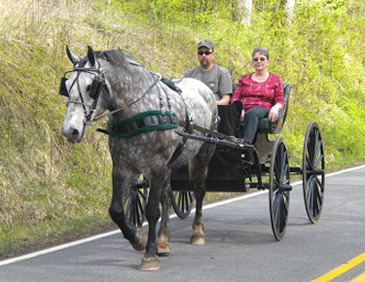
251	122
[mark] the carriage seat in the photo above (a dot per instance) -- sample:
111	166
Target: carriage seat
265	126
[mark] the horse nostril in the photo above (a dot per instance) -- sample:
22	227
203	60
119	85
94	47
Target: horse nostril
75	133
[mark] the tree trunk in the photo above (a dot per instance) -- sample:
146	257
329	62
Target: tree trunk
289	5
245	13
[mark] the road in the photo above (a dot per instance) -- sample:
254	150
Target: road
240	245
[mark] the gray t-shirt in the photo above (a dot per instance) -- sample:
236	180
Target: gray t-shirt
218	79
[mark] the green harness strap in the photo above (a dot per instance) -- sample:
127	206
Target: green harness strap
141	123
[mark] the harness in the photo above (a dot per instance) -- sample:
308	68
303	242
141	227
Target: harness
137	124
141	123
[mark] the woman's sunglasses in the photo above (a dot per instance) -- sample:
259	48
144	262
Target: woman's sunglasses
204	52
259	59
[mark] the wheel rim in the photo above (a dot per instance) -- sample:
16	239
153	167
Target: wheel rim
278	195
182	202
313	166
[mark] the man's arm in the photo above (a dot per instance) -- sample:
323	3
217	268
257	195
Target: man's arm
225	87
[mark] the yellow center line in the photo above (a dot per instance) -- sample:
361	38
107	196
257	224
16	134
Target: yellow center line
360	278
342	269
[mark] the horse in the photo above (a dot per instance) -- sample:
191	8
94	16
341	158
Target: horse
144	115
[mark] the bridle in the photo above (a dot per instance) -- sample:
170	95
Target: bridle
97	85
95	89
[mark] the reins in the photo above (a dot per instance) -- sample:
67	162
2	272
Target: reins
157	78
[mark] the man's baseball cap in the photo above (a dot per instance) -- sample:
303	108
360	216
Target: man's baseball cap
207	44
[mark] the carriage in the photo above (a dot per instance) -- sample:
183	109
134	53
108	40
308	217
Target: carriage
238	167
157	128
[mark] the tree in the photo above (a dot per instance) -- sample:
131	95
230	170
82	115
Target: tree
289	5
245	11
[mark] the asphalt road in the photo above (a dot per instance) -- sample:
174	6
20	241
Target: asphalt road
240	245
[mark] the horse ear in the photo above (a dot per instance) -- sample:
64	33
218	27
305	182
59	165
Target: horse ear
91	55
74	58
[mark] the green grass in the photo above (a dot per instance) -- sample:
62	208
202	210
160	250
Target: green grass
52	191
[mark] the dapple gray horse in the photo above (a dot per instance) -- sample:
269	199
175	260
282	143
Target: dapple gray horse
144	114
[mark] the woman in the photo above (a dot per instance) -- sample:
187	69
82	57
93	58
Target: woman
261	93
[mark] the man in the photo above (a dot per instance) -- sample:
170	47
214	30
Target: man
217	78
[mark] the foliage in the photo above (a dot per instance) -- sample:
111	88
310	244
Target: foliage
50	188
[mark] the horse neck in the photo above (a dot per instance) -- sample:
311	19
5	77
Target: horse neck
128	91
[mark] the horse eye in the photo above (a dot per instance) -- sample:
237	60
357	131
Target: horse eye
88	88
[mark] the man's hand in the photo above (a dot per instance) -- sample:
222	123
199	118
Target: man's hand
242	117
225	100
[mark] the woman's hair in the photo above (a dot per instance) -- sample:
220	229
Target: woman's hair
262	51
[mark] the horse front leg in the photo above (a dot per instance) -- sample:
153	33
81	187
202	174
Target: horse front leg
158	183
136	236
164	247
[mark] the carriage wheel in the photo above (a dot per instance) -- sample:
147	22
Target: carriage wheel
182	202
136	202
313	168
279	188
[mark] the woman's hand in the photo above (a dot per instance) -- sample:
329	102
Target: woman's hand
242	117
274	112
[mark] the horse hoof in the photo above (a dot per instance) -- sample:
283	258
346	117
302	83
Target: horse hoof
163	249
141	245
149	264
197	240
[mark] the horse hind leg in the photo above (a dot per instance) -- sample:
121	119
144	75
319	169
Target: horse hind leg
199	175
164	246
198	236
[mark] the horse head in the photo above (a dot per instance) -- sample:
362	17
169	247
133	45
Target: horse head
86	89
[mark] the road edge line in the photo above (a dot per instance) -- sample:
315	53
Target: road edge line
107	234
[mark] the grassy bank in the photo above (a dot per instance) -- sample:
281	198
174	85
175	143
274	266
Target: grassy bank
51	190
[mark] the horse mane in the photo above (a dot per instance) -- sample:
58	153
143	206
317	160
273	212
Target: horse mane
117	58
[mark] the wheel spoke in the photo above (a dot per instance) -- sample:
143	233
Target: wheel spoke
186	201
277	212
314	200
182	202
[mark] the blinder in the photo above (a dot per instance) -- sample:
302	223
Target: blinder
96	87
63	90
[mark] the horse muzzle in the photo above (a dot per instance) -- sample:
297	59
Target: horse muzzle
73	134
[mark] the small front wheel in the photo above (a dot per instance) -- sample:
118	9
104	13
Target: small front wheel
136	201
182	202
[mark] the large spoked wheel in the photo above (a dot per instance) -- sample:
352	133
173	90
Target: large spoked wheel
313	169
182	203
136	201
279	188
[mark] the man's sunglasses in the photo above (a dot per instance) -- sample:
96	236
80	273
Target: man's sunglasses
259	59
204	52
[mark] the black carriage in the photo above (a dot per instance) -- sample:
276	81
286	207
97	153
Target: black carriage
238	167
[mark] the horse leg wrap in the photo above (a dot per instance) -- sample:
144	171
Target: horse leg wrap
164	247
149	264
